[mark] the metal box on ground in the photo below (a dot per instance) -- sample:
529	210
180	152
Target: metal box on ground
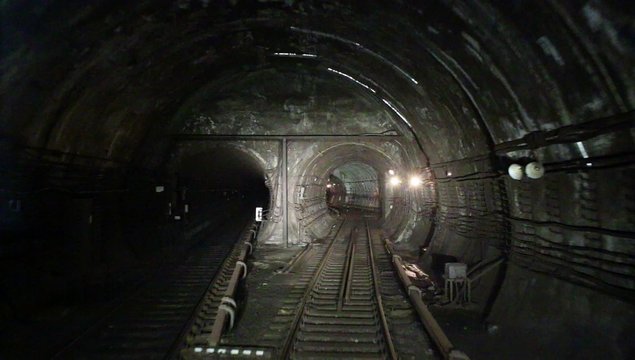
455	270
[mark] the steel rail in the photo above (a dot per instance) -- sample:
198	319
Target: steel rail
286	349
353	270
380	306
296	259
347	274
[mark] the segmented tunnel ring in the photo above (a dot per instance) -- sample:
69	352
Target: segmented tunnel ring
493	140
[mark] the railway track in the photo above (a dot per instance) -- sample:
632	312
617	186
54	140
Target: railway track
202	324
148	324
340	315
339	298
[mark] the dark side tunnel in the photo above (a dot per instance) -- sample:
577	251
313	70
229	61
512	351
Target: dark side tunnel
220	171
128	130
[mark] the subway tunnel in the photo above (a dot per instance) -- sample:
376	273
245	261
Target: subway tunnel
378	138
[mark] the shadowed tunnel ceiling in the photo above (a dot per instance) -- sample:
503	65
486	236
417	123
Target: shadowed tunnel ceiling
463	76
221	168
96	94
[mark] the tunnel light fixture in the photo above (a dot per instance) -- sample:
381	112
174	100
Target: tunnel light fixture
515	171
391	172
582	149
393	108
535	170
295	55
352	79
415	181
394	180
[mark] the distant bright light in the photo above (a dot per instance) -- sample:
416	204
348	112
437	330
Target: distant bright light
415	181
394	181
328	185
391	172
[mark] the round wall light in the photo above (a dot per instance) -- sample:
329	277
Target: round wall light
534	170
515	171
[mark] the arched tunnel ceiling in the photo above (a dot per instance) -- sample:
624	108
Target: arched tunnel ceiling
252	103
107	79
359	157
91	89
356	171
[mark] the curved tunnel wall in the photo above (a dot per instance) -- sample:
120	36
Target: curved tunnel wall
316	162
474	86
361	186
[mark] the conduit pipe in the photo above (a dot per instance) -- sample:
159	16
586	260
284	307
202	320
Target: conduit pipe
227	308
429	322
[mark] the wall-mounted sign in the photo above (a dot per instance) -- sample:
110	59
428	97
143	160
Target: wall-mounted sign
258	214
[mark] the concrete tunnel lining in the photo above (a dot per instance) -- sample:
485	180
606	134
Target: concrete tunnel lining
360	185
93	95
319	162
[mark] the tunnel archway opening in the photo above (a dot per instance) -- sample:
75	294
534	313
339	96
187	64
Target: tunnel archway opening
349	178
208	179
354	186
335	193
91	105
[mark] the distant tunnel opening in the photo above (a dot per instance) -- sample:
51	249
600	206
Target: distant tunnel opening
218	173
350	177
354	186
130	129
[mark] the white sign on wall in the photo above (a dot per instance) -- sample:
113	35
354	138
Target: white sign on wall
258	214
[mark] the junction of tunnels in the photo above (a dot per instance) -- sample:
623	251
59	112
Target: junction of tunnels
389	144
